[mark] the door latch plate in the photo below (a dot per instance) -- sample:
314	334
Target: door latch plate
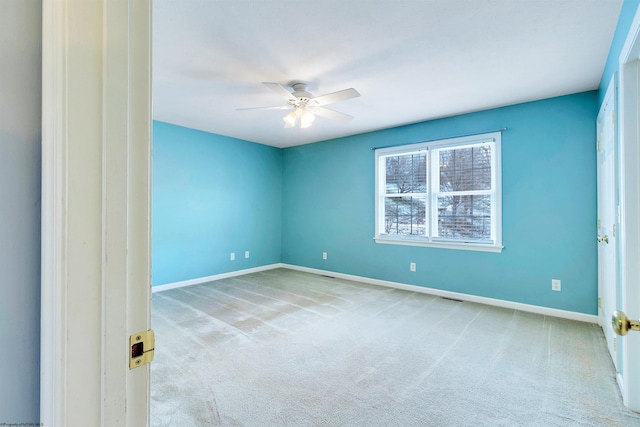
141	348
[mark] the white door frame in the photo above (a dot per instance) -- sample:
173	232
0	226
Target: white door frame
608	264
630	209
96	146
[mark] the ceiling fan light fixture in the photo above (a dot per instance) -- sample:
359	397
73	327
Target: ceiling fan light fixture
300	115
290	119
306	118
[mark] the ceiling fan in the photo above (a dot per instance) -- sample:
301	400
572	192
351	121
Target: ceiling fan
305	106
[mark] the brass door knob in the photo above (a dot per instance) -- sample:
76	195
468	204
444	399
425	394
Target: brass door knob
621	324
603	239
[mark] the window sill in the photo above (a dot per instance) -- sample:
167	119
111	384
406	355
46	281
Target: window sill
479	247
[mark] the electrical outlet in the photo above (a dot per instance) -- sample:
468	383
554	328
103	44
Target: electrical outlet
324	255
556	285
412	266
246	254
232	257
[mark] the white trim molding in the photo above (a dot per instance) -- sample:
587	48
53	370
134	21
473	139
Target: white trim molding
199	280
53	396
564	314
96	145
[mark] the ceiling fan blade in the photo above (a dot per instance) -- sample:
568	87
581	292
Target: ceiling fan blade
331	114
280	90
330	98
283	107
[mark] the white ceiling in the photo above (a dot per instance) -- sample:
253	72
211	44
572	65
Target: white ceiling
411	60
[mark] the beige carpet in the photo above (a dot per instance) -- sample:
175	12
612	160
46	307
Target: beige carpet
285	348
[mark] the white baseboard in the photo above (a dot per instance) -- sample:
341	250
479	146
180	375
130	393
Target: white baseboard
220	276
572	315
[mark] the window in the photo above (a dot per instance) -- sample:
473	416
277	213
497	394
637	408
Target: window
443	193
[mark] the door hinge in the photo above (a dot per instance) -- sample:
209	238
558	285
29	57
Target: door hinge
599	302
599	224
598	145
614	230
141	348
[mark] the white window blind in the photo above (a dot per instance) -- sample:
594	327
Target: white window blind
442	193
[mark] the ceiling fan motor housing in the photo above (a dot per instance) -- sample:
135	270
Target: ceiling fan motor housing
300	91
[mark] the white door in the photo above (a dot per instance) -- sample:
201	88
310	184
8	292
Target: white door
629	235
607	224
96	146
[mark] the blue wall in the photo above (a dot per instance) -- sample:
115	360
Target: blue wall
549	208
212	195
20	174
628	12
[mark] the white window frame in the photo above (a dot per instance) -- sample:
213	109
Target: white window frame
431	221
